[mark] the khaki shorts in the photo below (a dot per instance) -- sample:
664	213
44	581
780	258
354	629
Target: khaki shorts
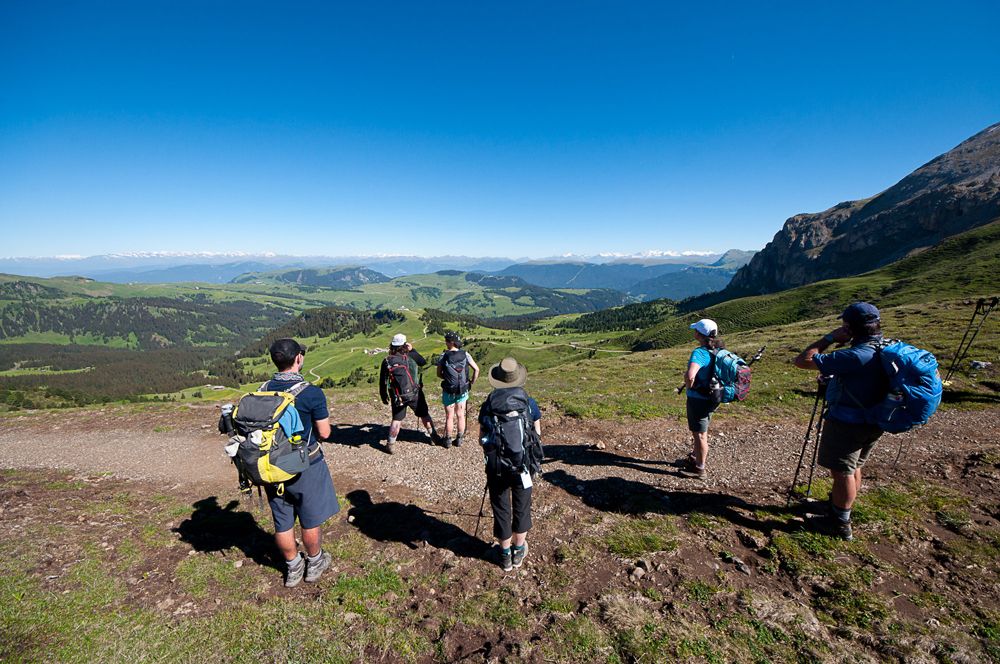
845	447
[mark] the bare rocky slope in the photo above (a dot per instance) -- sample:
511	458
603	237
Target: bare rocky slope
955	192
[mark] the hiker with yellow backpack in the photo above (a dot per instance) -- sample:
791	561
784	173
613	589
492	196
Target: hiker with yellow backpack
275	434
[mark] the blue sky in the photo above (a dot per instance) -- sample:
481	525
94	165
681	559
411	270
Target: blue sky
520	129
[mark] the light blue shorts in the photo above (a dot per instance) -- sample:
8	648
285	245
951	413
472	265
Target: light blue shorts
452	399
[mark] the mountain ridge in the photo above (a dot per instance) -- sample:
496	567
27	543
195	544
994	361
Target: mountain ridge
952	193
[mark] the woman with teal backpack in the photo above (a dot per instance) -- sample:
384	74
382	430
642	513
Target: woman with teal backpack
699	405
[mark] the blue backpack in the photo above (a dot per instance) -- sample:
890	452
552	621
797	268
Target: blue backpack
729	377
914	387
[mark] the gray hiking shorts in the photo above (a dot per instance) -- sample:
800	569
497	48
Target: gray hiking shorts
699	414
845	447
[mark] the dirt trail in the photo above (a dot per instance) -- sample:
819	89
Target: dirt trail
586	460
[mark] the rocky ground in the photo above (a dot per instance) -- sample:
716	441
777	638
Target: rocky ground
624	547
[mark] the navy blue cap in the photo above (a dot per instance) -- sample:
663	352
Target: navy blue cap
860	313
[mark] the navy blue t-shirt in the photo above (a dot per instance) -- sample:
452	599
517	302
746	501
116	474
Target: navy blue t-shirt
311	404
859	380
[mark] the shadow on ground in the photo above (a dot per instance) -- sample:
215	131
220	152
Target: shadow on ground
411	525
964	396
622	496
214	528
373	435
577	455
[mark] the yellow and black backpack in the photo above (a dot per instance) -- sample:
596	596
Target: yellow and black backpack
265	454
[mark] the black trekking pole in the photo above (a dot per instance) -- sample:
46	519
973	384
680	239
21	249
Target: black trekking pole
983	309
819	437
805	445
481	508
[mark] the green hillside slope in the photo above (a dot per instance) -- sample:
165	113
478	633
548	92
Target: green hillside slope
337	278
962	266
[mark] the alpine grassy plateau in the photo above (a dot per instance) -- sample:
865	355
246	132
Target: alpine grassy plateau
630	561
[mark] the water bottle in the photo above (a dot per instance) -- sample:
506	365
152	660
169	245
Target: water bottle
226	425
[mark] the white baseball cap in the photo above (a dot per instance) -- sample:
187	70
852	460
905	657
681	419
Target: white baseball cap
398	340
705	326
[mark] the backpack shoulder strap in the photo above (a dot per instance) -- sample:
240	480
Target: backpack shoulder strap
295	389
263	386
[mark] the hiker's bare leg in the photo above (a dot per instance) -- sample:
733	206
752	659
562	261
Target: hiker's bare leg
519	539
845	489
428	423
700	447
394	428
286	544
460	411
449	419
312	540
857	481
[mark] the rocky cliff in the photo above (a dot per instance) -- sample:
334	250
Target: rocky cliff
955	192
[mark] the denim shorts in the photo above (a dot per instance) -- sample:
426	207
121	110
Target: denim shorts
452	399
310	497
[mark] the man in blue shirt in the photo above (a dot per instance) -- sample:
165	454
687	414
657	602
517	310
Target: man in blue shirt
310	496
858	382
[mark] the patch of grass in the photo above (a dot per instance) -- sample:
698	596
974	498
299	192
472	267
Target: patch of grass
348	546
981	548
847	602
700	591
155	536
700	647
558	604
653	594
579	639
378	580
200	573
953	519
987	628
821	488
128	553
635	536
649	643
491	608
702	520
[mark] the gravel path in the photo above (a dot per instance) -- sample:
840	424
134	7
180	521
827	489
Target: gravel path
748	458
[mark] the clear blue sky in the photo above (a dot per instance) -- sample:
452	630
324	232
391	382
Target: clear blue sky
519	128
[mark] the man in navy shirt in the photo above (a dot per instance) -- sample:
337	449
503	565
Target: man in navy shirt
858	382
310	496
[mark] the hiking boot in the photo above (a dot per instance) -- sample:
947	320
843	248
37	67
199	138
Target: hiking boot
434	437
315	570
293	576
506	561
458	440
834	527
690	469
518	555
389	447
446	443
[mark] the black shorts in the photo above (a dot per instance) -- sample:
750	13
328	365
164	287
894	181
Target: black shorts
511	504
419	409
